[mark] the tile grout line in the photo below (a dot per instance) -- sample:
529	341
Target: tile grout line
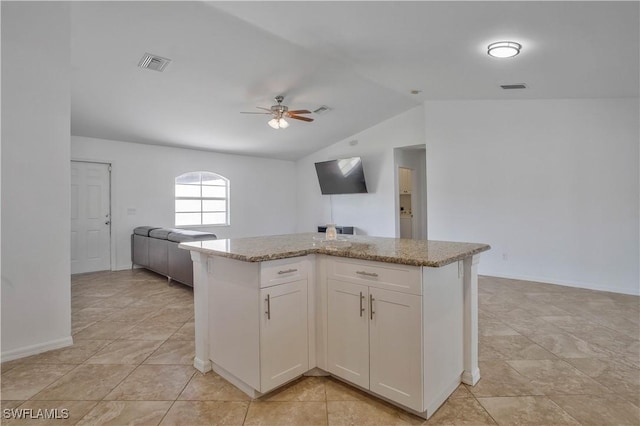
177	396
483	407
326	402
246	411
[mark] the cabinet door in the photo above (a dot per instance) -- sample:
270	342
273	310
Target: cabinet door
405	180
284	346
348	331
395	334
406	227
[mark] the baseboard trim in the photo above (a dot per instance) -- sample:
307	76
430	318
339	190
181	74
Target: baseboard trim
202	366
470	378
125	267
574	284
36	349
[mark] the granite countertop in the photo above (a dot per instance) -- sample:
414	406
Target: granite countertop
380	249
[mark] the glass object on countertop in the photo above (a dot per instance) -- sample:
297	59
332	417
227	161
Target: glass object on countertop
331	234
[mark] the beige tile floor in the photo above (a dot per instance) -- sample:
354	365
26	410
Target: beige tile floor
549	355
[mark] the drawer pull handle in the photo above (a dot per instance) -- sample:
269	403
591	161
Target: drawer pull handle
268	312
361	307
288	271
371	300
367	274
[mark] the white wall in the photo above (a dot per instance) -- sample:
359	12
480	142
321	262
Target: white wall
262	191
36	301
373	213
553	185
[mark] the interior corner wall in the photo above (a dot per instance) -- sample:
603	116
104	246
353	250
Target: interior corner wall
372	213
36	292
552	185
262	191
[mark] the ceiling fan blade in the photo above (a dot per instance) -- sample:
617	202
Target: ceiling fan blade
246	112
266	109
301	118
300	111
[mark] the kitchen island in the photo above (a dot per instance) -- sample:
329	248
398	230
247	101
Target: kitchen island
395	317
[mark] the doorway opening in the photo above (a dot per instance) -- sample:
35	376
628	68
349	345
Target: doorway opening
411	197
405	181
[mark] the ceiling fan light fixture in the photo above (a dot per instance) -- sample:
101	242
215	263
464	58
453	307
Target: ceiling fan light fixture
278	123
279	112
504	49
274	122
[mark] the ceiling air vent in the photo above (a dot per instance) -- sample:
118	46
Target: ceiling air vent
153	62
513	86
322	110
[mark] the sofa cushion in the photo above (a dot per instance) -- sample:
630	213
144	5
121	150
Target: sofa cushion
144	230
183	235
161	233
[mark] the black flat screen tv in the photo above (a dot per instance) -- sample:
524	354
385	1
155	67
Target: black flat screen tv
344	176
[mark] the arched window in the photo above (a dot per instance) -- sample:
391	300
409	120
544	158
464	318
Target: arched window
202	198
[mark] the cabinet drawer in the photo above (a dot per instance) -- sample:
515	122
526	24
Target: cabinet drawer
403	278
282	271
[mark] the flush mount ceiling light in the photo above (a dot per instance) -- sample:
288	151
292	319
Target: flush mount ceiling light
504	49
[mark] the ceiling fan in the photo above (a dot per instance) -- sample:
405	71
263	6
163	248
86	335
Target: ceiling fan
279	112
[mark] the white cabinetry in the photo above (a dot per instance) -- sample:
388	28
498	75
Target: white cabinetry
258	321
374	334
395	330
283	334
404	178
348	332
395	346
406	227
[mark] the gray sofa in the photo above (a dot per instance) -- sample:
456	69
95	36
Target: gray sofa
157	249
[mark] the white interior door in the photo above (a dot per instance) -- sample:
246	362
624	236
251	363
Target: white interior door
90	217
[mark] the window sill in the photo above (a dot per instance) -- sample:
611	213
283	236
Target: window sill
201	226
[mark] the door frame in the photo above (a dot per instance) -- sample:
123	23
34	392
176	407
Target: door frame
418	200
112	245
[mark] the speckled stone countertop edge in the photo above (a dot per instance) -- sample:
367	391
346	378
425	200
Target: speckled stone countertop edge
345	253
404	261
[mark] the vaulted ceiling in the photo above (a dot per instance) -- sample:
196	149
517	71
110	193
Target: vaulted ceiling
361	59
